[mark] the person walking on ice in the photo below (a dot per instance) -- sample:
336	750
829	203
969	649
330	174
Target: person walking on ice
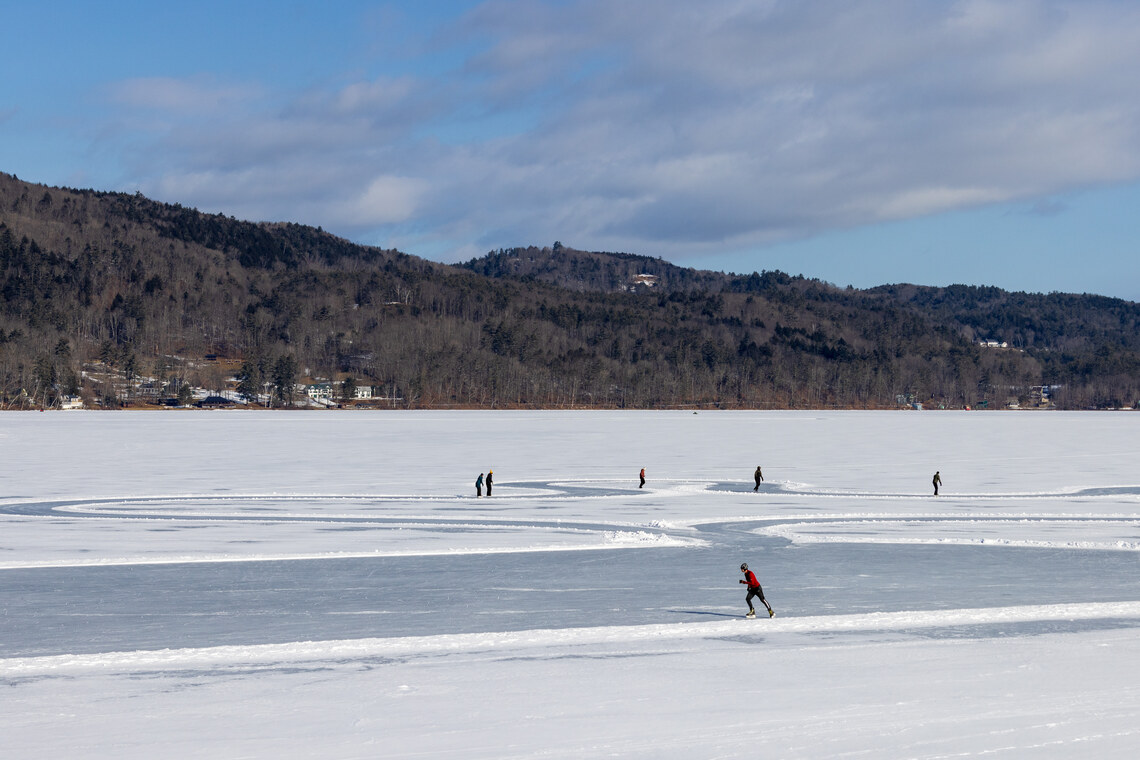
754	590
758	477
489	474
642	476
937	482
479	485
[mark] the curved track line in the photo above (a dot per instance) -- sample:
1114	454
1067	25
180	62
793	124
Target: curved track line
450	644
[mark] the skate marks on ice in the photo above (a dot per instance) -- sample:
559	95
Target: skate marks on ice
236	528
217	527
383	650
778	488
1087	533
1055	520
339	506
530	494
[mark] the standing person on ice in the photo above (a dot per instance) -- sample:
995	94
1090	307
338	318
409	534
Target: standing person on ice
479	485
489	474
758	477
937	482
642	478
754	590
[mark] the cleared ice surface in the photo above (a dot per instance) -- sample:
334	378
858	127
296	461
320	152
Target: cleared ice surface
326	585
1111	533
166	537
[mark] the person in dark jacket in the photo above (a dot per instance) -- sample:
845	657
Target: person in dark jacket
479	485
489	474
642	478
754	590
937	482
758	477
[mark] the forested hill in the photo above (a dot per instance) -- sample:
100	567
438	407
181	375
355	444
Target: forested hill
1056	321
586	271
145	290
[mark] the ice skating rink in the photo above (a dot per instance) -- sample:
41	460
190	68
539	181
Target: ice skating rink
326	584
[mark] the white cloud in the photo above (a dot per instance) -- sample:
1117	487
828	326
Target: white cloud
931	200
371	96
670	126
386	200
184	96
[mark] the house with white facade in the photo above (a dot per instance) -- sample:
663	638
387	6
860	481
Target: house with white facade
320	392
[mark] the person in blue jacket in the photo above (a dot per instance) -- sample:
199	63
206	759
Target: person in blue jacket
479	485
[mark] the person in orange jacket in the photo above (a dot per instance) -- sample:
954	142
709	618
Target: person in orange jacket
754	590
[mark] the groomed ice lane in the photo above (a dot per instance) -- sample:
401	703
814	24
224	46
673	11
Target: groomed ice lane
58	610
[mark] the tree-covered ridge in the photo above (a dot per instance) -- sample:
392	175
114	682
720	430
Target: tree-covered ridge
137	285
584	271
1088	343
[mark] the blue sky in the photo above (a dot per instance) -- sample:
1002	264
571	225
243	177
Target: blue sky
863	142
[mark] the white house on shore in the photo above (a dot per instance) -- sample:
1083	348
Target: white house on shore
327	393
320	392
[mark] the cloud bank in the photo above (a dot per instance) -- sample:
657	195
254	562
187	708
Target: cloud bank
665	127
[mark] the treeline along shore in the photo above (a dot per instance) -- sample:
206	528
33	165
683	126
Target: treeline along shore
103	294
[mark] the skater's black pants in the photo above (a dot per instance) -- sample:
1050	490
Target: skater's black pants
755	592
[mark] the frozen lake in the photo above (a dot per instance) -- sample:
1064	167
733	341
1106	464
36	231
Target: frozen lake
326	584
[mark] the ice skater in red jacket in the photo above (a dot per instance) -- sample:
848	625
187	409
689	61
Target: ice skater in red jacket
754	590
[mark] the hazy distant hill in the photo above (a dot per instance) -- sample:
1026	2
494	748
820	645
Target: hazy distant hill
149	288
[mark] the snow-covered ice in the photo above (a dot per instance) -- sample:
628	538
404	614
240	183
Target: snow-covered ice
326	585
